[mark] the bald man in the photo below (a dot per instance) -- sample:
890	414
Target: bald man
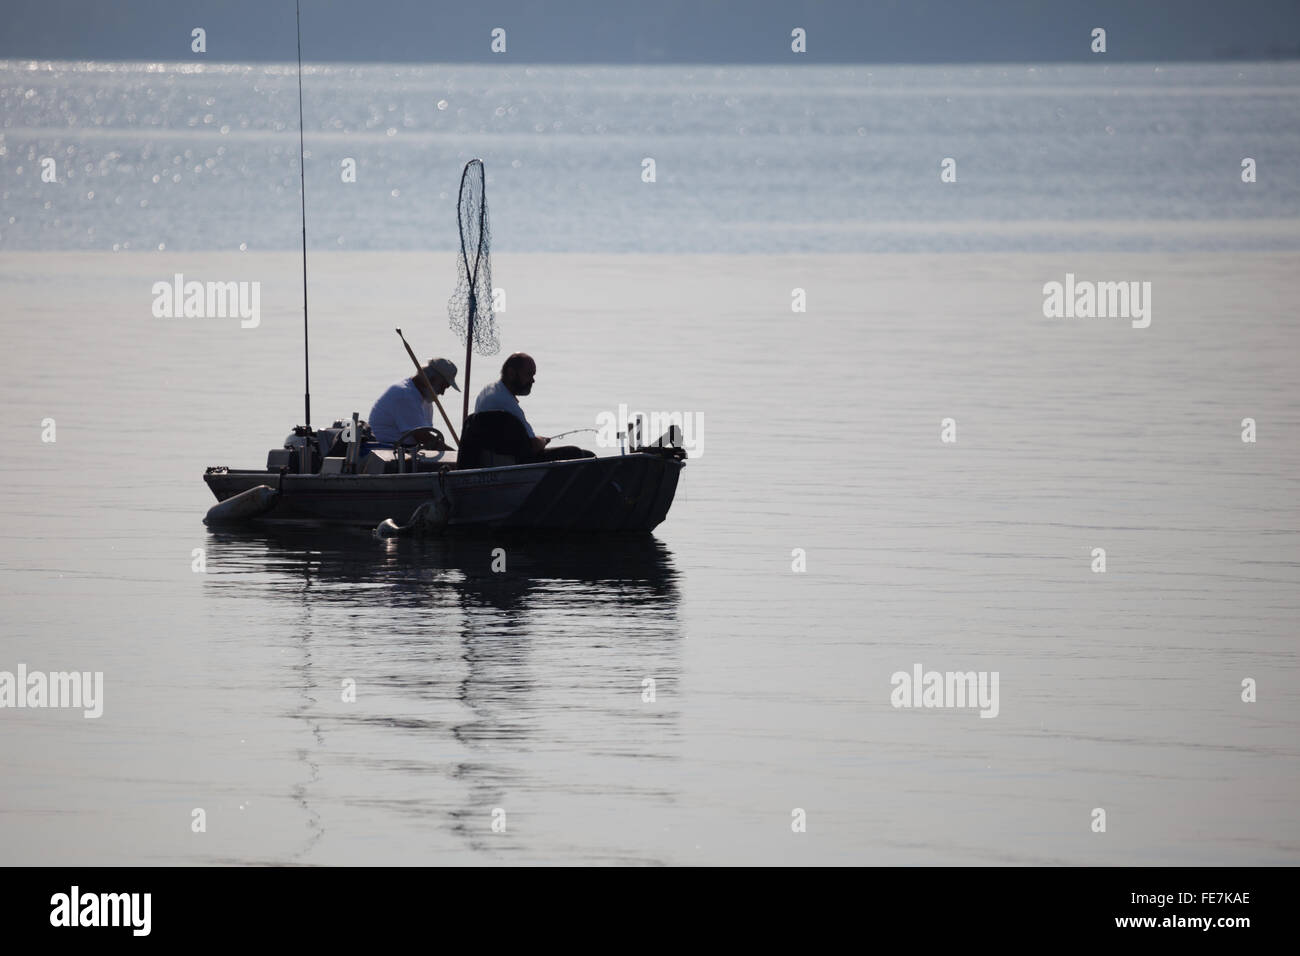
518	373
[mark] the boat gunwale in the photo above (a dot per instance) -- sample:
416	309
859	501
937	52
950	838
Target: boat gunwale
436	473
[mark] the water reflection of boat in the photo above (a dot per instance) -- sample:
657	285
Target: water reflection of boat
636	571
474	686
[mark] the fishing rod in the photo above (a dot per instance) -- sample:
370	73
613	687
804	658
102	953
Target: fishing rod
574	432
302	181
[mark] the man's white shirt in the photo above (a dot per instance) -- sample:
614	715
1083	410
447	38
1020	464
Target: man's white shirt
497	398
398	410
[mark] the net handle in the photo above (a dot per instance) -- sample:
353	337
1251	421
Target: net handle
471	274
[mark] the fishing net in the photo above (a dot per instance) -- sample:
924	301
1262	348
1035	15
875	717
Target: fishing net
470	306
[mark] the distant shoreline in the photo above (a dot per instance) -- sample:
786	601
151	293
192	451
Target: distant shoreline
309	61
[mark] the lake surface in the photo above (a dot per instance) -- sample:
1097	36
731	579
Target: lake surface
520	696
747	159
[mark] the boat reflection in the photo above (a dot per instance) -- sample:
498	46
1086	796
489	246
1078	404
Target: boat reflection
491	570
491	647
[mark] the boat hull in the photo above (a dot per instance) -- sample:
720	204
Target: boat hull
623	493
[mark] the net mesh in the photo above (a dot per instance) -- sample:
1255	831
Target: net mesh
473	295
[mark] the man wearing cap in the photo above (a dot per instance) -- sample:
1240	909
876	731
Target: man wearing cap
408	405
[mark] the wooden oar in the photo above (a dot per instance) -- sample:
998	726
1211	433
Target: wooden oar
419	370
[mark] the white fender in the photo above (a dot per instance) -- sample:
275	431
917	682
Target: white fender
244	506
430	518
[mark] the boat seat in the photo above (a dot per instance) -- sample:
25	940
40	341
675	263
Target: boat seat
493	438
380	461
383	461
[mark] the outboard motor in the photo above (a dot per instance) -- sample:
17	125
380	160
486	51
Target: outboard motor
305	450
299	456
332	443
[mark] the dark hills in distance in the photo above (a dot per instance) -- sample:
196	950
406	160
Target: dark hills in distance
654	31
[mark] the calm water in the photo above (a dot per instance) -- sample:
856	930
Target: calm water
522	691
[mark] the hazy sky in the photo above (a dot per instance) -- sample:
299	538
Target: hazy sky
626	31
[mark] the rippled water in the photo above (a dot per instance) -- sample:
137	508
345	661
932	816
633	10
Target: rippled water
748	159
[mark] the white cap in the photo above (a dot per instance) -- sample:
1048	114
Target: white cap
444	370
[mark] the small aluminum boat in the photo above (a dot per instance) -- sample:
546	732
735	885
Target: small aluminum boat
630	492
